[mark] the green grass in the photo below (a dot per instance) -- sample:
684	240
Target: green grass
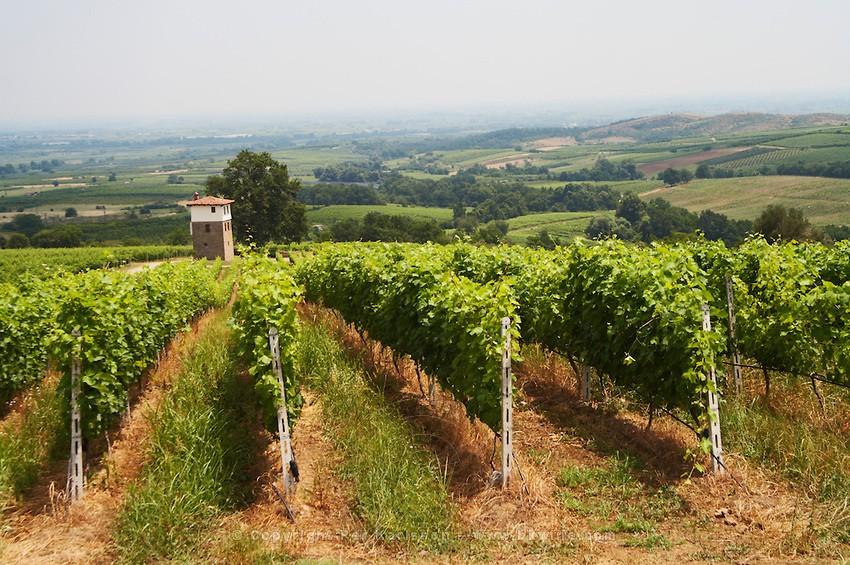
399	492
649	542
628	526
824	201
564	225
327	215
197	454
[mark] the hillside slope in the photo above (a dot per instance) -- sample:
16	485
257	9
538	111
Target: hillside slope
670	126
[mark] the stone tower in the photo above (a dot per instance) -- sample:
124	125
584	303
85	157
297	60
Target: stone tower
211	228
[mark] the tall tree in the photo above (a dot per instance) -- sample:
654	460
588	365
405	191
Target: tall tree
265	208
27	224
777	222
717	226
631	207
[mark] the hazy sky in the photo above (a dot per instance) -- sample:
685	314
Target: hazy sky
79	59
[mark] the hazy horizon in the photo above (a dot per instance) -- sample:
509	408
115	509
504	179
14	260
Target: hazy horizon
102	63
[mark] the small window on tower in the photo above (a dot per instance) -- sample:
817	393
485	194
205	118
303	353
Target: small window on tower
207	228
212	209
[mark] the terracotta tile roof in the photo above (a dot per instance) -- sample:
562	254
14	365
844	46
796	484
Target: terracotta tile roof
210	201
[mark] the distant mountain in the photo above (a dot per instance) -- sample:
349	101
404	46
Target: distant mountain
670	126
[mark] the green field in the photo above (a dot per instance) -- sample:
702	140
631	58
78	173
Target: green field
623	186
141	190
302	161
558	224
753	159
824	201
822	155
15	262
327	215
143	169
815	140
469	157
422	175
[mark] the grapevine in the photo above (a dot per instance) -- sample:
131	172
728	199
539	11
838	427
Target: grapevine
407	298
267	298
124	321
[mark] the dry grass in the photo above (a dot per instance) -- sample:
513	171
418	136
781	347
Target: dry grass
790	434
756	507
322	504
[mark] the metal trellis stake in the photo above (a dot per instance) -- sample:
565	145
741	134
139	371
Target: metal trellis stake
507	406
282	417
733	344
717	466
75	464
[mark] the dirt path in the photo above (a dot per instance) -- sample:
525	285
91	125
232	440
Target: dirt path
746	515
322	504
142	265
654	191
45	530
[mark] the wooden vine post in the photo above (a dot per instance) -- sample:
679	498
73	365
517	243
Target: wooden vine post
733	344
507	405
717	466
282	416
75	464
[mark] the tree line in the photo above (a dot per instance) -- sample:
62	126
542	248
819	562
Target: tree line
834	169
604	170
350	172
636	220
43	166
376	226
492	200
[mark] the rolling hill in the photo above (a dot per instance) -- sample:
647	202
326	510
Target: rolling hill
669	126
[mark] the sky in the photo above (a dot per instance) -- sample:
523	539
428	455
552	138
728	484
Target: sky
121	59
